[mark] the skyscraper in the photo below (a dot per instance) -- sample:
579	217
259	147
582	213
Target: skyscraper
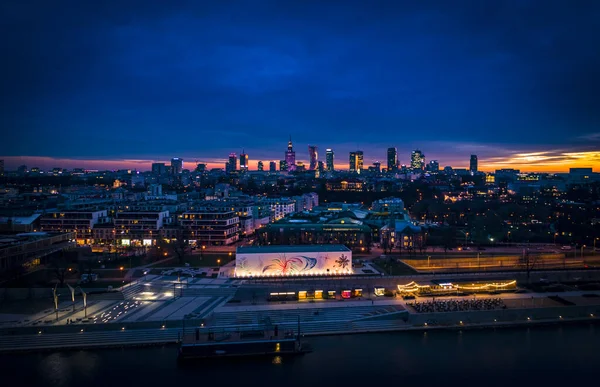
313	157
352	162
473	163
283	165
329	160
1	167
392	159
359	161
417	160
260	166
243	161
273	166
290	157
356	161
231	165
176	165
159	169
433	166
320	167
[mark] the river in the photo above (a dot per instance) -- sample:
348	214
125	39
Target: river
518	356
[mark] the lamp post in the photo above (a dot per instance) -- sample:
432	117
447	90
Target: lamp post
84	294
72	296
429	256
478	261
555	235
55	297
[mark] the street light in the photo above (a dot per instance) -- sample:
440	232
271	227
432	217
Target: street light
72	296
55	296
84	294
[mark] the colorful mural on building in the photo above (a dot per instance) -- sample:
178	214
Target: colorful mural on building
293	264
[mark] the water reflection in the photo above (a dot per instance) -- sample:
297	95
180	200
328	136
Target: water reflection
409	356
56	369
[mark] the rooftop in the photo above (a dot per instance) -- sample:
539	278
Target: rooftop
291	249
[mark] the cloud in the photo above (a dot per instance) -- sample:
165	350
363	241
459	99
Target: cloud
548	161
148	79
595	137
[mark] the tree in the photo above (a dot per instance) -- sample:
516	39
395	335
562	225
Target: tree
59	268
448	238
180	246
529	263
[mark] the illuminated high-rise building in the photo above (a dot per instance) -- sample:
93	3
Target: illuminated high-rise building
290	157
417	160
392	159
283	165
329	160
356	161
313	156
360	160
1	167
176	165
243	161
260	166
231	165
273	166
473	163
352	162
320	167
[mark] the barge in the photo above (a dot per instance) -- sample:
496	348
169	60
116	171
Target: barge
211	343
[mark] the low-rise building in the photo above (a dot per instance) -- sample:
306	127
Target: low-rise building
280	207
25	251
139	228
79	222
213	227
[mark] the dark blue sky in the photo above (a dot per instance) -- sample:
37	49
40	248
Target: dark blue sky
147	80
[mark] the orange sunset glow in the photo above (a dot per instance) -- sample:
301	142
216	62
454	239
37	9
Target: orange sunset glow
547	161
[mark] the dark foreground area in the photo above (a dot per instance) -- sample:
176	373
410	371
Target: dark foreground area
520	356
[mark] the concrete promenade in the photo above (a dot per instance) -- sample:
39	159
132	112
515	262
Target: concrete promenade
324	318
156	309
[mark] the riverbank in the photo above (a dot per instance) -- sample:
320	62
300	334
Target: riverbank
467	320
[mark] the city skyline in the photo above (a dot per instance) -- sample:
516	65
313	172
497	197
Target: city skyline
526	162
514	84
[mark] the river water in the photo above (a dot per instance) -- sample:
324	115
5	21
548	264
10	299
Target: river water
537	356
